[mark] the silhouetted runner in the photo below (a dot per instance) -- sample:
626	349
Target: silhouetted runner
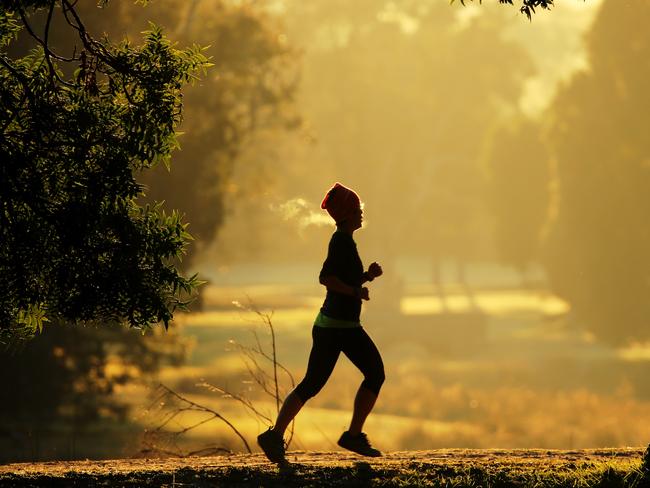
337	328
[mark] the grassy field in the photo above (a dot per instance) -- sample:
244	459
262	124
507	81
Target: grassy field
513	377
440	468
528	383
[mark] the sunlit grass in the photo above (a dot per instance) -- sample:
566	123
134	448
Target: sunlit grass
316	428
420	415
511	394
490	302
286	318
635	352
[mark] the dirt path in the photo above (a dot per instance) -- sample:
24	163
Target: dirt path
309	468
332	458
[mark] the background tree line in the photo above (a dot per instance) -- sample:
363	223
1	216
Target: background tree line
570	189
434	136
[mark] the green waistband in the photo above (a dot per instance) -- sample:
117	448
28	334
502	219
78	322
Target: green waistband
323	320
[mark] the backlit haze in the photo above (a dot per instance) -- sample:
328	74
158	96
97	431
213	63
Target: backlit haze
412	104
504	167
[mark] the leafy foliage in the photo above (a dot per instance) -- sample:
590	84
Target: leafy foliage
527	6
248	92
76	129
101	254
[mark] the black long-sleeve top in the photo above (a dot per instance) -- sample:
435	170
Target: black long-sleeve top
342	261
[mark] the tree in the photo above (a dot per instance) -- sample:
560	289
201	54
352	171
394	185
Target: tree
249	90
244	92
77	128
597	251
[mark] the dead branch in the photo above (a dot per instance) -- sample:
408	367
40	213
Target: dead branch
189	405
244	401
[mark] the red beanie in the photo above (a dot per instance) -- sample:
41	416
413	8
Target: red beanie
340	202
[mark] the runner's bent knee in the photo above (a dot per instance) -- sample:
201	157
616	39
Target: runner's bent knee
373	380
309	388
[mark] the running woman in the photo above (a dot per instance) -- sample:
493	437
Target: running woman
337	328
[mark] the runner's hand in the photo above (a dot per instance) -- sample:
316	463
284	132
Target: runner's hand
374	270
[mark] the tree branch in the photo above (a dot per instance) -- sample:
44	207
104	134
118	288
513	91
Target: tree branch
206	409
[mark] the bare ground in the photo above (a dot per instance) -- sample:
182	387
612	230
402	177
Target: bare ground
453	467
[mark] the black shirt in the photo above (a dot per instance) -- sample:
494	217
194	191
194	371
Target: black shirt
342	261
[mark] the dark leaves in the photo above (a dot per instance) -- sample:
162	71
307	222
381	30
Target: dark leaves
74	244
527	6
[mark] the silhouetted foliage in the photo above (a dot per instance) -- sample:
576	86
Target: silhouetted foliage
77	127
107	112
527	6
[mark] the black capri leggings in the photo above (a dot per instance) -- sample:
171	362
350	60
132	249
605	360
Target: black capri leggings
328	343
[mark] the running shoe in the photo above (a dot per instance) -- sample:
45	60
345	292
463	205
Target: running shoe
272	444
358	443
